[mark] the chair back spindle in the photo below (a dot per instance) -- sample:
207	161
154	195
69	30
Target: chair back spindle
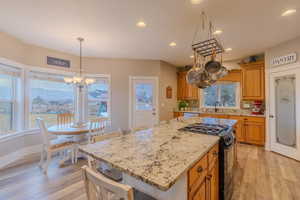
98	187
65	119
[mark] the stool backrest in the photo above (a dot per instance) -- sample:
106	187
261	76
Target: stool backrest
98	187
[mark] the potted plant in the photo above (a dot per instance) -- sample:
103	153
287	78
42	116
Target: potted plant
182	105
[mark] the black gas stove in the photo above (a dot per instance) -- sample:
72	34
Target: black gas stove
226	153
224	131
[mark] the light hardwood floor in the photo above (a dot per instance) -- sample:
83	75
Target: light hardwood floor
260	175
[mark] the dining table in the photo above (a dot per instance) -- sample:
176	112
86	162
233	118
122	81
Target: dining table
69	130
76	134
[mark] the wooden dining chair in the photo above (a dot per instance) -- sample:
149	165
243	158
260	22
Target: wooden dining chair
65	119
104	168
49	147
97	127
98	187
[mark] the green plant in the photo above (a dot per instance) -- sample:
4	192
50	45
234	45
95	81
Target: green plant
182	104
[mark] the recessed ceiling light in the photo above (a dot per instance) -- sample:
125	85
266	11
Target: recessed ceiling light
228	49
288	12
172	44
141	24
217	32
196	1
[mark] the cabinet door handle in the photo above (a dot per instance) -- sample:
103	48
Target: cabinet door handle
215	153
200	169
208	189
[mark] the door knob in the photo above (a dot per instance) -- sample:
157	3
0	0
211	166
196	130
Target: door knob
271	116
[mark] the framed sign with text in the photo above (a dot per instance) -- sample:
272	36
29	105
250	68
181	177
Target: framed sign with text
58	62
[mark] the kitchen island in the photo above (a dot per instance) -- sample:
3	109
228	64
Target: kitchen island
158	161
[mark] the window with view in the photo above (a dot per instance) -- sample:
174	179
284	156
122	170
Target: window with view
222	95
49	96
98	98
9	78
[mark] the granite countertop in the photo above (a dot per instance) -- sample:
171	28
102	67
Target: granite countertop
221	113
157	156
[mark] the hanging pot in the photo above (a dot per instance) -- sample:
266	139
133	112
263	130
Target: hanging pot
213	66
194	74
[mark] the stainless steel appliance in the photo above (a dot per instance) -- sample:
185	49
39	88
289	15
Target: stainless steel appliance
227	153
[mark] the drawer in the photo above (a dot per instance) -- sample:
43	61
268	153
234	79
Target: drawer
198	172
255	119
213	156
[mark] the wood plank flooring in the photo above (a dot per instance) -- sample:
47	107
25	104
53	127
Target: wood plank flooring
260	175
263	175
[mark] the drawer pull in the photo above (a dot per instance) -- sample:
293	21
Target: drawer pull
200	169
215	153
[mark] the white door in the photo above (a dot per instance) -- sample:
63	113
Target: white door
284	112
144	101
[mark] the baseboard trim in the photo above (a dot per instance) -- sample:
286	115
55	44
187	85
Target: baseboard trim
20	155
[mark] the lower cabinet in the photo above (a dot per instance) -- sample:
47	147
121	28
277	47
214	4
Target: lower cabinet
203	177
178	114
254	132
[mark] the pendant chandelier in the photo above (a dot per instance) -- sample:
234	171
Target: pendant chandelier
79	80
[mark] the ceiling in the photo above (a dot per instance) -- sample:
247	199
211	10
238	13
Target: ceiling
109	26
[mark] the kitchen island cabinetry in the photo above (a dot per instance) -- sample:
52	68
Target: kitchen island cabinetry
164	162
203	177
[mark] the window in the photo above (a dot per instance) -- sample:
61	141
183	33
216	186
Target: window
144	96
49	96
224	94
9	78
99	98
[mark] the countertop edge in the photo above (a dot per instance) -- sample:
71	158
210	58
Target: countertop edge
211	113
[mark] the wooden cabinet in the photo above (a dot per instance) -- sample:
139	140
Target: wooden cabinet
253	84
200	194
250	130
239	133
186	91
203	177
254	132
213	182
178	114
233	76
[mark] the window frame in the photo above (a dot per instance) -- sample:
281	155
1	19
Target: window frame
86	100
29	102
237	96
15	123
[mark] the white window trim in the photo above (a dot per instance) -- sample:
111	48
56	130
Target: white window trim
237	97
108	77
27	90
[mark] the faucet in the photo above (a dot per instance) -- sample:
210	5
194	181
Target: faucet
216	104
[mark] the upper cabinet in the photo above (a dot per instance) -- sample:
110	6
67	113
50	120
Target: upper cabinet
232	76
253	84
186	91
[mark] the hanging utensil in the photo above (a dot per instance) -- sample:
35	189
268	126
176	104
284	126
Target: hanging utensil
213	66
193	74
